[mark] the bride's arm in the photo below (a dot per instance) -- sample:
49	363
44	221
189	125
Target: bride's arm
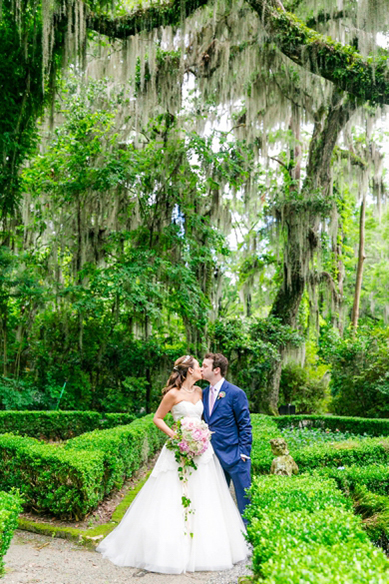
164	408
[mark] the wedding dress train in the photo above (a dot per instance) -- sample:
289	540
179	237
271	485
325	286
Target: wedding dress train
153	533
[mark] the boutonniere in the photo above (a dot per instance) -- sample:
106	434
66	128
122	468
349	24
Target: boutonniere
221	394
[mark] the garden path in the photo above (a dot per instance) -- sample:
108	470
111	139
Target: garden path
38	559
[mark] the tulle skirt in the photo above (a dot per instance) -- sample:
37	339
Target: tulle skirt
154	534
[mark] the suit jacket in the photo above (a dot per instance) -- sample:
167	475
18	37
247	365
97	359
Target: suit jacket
230	422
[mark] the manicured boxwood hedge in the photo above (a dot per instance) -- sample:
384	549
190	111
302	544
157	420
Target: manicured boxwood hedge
264	429
303	530
68	481
54	425
359	452
373	477
351	452
50	478
369	426
10	508
124	448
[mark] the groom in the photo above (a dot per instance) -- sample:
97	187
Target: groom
226	412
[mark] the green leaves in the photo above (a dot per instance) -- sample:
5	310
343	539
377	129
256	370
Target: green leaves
302	530
10	508
69	481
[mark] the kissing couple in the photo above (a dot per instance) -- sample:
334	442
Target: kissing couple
154	533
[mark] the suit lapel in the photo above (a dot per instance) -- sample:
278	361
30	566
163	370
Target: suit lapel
218	399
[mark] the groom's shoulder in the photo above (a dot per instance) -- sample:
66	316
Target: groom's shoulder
233	388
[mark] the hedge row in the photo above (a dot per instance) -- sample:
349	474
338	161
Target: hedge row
69	481
58	425
264	429
10	508
374	477
369	426
360	452
124	448
303	531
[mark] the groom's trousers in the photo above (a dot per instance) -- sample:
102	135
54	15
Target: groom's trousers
240	475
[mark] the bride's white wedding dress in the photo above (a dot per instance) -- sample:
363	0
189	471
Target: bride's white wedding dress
153	533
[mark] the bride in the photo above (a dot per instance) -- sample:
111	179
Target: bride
153	533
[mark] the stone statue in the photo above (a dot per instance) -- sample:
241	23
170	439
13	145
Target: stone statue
283	464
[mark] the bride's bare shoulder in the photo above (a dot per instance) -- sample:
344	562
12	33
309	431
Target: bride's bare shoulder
173	394
198	390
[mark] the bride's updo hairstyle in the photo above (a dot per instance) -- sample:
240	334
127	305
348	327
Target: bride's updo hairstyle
179	373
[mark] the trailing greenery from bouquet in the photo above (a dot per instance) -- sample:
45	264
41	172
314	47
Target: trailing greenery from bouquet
191	439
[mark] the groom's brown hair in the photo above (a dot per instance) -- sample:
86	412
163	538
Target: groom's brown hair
219	360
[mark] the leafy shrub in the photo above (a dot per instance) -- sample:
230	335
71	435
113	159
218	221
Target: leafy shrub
51	479
10	508
303	530
360	452
69	481
264	429
252	347
354	425
301	437
129	397
54	425
16	394
124	448
359	371
298	387
374	477
357	450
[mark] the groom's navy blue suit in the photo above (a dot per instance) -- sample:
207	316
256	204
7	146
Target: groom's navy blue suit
230	422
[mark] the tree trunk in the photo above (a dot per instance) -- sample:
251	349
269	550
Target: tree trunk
361	259
301	218
5	349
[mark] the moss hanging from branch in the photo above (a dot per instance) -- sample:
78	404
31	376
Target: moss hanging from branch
143	19
367	79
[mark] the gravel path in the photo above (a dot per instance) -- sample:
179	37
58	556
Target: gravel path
37	559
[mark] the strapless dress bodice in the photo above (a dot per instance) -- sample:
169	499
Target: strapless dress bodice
187	408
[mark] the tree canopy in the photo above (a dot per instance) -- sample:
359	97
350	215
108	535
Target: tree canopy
172	166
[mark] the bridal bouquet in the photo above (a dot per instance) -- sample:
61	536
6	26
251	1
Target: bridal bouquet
191	439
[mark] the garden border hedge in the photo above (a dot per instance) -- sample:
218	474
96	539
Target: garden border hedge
361	426
10	508
303	530
58	425
363	452
70	480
